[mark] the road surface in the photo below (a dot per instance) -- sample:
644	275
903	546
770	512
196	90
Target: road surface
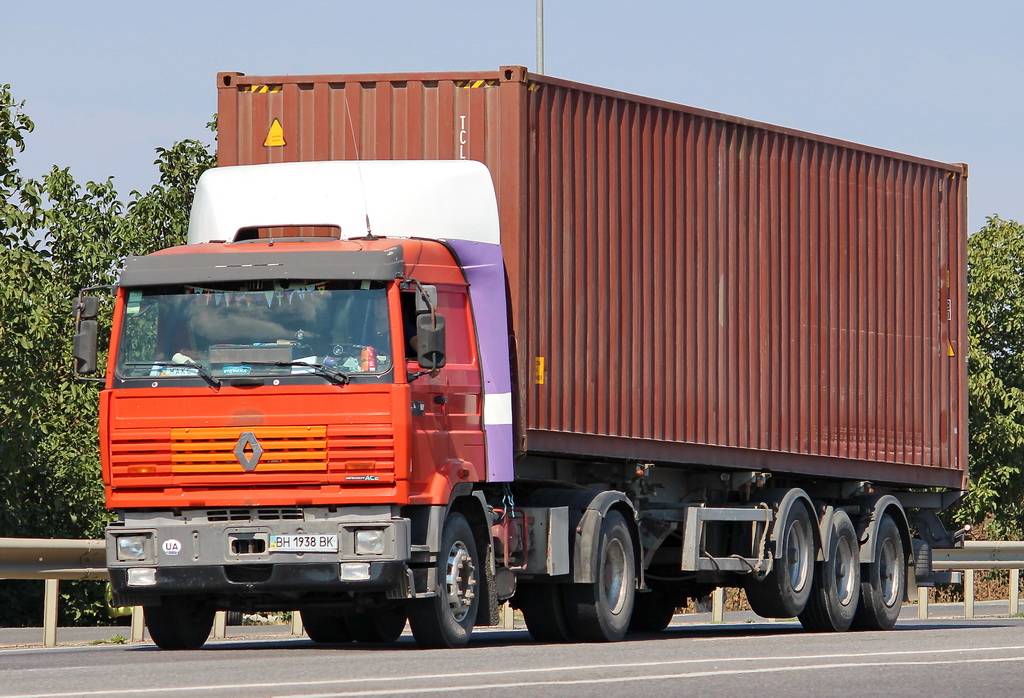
942	657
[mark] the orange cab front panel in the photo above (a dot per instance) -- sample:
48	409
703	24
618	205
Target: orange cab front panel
268	446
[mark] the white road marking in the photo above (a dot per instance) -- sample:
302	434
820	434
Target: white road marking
564	669
661	677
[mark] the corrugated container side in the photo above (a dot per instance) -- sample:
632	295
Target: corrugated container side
698	288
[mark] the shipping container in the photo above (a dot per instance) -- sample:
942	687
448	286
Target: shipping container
686	287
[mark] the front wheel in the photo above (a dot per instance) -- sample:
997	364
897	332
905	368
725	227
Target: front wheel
883	581
600	611
381	625
446	620
326	628
180	622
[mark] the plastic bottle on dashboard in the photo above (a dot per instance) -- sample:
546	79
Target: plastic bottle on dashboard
368	359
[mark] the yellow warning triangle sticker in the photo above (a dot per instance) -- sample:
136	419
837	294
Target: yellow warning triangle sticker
951	352
275	137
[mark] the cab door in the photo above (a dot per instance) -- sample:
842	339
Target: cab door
447	432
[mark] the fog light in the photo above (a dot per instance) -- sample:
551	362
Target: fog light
370	541
142	577
355	571
131	548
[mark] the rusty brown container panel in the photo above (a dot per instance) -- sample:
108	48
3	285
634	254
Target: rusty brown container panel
687	287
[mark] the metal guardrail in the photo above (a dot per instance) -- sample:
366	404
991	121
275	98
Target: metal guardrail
54	559
981	555
974	556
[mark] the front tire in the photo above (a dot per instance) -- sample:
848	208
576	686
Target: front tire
326	628
836	587
884	581
600	611
180	622
446	620
377	626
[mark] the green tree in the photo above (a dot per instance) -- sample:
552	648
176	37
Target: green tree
59	237
995	365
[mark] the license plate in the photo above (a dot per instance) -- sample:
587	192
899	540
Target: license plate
303	543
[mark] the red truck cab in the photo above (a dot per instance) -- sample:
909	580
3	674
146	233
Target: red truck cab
296	412
286	392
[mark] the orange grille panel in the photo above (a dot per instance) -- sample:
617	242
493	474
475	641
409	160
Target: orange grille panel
284	449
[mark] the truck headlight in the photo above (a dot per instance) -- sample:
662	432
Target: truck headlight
131	548
370	541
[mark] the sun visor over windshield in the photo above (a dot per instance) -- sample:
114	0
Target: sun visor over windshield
160	269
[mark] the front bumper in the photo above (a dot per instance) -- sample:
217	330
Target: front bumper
281	579
197	552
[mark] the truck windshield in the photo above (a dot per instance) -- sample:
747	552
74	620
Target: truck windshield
268	328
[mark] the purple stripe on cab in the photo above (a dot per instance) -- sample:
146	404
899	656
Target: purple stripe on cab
485	272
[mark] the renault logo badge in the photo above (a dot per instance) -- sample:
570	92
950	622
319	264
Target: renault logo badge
248	451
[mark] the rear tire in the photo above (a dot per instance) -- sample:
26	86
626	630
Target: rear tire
884	581
652	613
784	592
446	620
836	587
180	622
544	612
326	628
377	626
600	611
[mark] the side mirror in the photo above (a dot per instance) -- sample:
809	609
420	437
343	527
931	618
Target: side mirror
430	341
85	347
85	310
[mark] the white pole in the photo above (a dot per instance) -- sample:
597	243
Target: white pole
1014	592
540	37
718	605
51	595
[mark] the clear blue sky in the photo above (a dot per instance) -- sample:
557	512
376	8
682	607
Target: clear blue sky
107	82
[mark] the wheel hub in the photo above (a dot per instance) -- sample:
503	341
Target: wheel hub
460	580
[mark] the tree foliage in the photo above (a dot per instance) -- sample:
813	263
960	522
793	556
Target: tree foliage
58	237
995	365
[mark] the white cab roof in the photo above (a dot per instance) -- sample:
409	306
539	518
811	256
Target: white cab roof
445	199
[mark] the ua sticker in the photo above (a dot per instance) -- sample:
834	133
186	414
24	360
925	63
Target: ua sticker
172	547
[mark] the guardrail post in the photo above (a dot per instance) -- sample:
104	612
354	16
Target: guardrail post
1014	592
968	593
508	616
718	605
296	623
138	624
220	625
922	602
50	613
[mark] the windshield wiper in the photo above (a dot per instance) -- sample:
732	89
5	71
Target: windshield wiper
339	377
201	370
